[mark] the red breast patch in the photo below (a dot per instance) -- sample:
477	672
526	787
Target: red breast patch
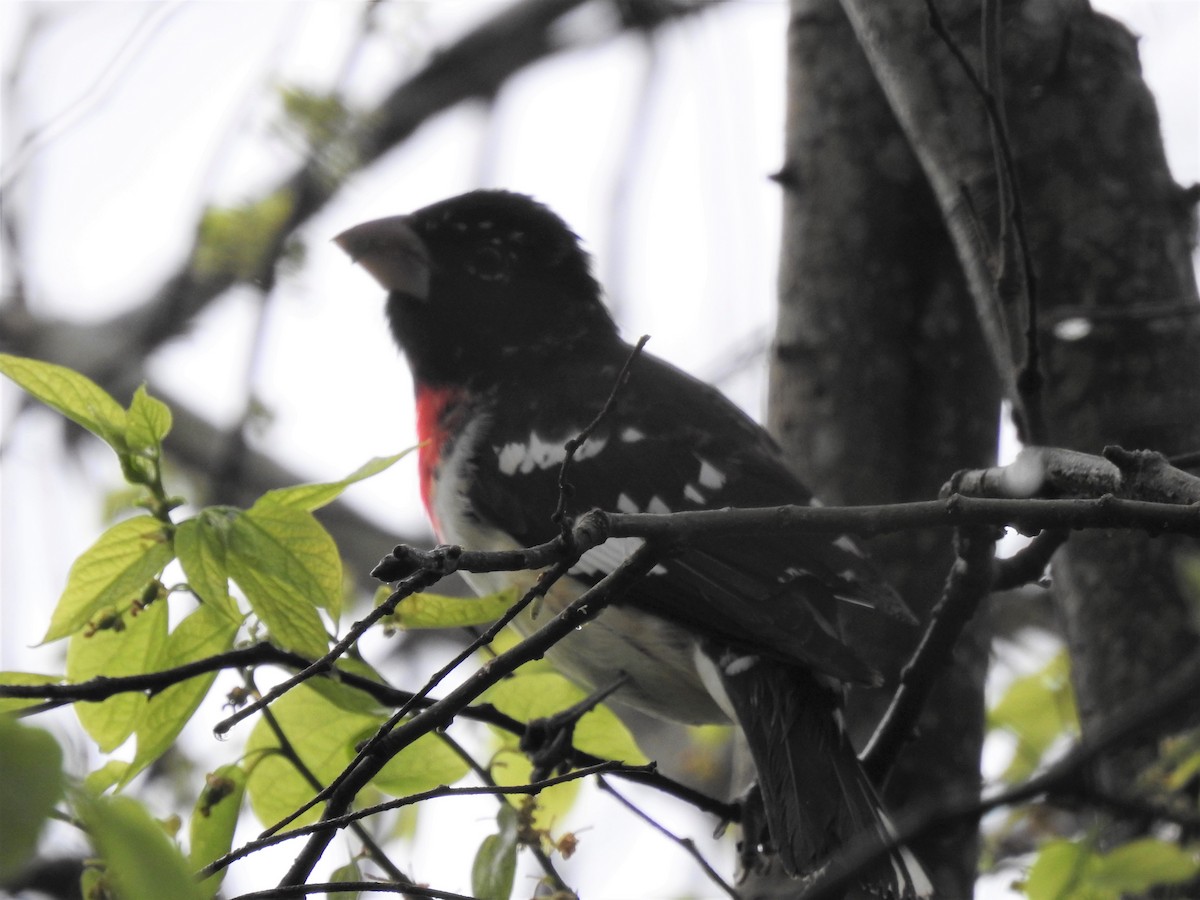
433	406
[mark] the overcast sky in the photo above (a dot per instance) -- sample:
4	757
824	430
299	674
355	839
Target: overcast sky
144	111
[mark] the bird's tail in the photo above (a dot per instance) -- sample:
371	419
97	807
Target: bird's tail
816	796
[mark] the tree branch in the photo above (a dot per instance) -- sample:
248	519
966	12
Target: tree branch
969	582
440	714
1148	714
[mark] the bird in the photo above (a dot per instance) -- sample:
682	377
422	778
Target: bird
492	300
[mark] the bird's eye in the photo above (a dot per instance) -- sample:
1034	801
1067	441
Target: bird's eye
489	263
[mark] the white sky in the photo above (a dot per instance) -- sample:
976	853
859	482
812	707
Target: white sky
138	99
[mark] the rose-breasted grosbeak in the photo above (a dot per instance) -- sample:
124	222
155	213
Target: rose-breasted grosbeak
493	302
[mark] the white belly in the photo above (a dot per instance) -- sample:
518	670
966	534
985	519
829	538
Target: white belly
656	658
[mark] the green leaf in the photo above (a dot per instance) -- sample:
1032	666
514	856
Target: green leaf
287	566
1067	870
314	496
235	240
108	775
200	545
320	118
1037	709
424	764
142	861
75	396
31	773
1136	867
210	832
1057	872
111	573
202	634
8	704
510	767
438	611
148	422
323	736
541	694
349	872
495	865
135	649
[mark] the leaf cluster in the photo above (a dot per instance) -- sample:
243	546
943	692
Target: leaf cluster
272	573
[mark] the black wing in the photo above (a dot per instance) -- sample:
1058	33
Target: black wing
671	444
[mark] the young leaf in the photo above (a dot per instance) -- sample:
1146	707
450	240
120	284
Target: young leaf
31	773
510	766
287	565
203	633
421	766
236	239
200	546
1136	867
349	872
495	865
1058	871
322	735
142	861
75	396
1037	709
542	694
111	573
134	650
314	496
210	832
148	422
438	611
100	780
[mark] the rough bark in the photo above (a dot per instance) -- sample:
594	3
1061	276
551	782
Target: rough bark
1111	237
880	382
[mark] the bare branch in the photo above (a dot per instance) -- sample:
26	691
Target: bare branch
688	845
1147	714
586	607
969	582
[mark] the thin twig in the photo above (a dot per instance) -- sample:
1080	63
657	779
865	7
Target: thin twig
565	488
544	583
969	582
339	822
585	608
485	776
687	844
411	585
333	887
1176	692
288	751
1029	378
1029	563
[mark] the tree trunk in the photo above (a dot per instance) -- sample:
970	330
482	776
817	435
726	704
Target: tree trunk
1111	237
881	384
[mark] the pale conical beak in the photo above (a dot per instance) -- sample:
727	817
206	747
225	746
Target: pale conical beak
392	252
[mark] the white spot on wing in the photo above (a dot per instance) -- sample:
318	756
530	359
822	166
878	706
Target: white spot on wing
710	476
604	558
626	505
845	542
710	677
690	491
631	435
542	454
736	665
656	505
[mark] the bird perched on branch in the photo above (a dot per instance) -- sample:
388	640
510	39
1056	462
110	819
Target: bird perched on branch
493	302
